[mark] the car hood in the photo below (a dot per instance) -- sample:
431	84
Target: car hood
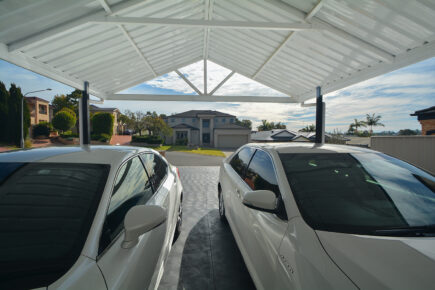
374	262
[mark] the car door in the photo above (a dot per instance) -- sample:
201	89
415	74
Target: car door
262	232
129	268
231	183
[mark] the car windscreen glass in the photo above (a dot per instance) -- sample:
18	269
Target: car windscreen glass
46	210
364	193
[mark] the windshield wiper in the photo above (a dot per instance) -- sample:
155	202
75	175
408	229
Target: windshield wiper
416	231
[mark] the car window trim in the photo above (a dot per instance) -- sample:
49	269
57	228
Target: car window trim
108	204
166	173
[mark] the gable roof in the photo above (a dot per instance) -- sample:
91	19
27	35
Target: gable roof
184	126
291	46
195	113
36	99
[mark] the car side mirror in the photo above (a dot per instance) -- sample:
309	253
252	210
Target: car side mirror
139	220
264	200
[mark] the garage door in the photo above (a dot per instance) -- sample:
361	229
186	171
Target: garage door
232	141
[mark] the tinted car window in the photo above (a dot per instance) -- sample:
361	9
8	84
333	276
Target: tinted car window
46	211
132	187
261	173
241	160
156	168
364	193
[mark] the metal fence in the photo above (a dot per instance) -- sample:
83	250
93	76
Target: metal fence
417	150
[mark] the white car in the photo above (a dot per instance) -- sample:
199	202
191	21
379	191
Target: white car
329	217
98	217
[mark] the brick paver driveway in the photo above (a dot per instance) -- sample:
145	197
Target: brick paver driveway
205	255
120	140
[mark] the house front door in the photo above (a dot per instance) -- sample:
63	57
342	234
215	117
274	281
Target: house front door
206	138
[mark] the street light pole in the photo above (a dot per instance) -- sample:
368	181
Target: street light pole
22	113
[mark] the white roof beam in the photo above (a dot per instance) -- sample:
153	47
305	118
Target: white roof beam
320	24
313	11
199	98
203	23
188	82
222	82
63	28
137	49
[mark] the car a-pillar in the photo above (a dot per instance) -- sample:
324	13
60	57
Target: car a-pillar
320	117
84	122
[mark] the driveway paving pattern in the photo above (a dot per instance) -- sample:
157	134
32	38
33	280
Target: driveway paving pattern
205	256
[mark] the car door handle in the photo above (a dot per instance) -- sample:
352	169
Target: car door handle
238	192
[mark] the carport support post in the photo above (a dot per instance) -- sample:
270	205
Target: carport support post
85	132
320	117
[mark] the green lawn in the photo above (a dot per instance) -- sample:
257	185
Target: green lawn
203	151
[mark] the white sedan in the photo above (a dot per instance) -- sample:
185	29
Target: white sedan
329	217
100	217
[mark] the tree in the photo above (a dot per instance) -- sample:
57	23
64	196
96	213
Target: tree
356	124
14	115
64	121
4	97
373	121
244	123
407	132
309	128
265	126
156	125
136	121
69	101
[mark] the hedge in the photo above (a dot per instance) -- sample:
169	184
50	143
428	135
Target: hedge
149	139
41	129
64	120
102	123
101	137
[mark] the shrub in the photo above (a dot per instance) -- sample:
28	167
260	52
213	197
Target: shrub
64	120
69	134
150	139
102	123
181	141
69	111
41	129
101	137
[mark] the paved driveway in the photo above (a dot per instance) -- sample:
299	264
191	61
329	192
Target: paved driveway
191	159
205	255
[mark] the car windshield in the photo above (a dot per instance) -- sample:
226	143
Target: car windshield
363	193
46	210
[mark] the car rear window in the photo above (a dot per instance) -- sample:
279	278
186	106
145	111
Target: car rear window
361	193
46	210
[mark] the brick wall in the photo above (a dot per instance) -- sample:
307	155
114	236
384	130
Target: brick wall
427	125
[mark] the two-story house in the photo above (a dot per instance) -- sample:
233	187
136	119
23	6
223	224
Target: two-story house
207	128
40	110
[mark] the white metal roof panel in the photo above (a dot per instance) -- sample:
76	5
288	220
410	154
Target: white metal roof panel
291	46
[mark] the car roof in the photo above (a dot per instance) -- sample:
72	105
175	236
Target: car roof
74	154
309	147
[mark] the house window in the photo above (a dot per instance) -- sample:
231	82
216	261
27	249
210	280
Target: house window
172	120
231	120
42	109
193	120
206	123
223	120
216	120
183	120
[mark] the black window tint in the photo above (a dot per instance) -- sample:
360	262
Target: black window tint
132	187
241	160
46	211
261	173
360	193
156	168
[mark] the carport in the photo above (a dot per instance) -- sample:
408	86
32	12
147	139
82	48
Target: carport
301	48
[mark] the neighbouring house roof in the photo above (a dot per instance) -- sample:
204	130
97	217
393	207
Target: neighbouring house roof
195	113
36	99
184	126
425	114
279	135
230	126
95	108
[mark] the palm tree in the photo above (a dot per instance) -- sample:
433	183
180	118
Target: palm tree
265	126
373	121
309	128
356	124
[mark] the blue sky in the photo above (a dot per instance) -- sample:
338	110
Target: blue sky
394	96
